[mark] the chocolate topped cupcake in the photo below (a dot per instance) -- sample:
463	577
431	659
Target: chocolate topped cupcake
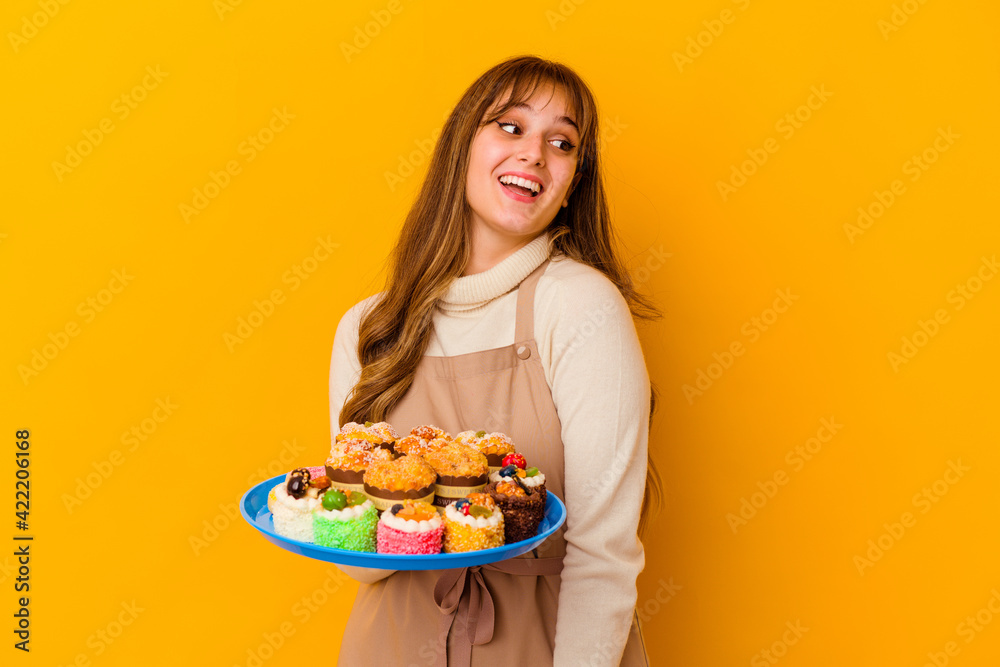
520	493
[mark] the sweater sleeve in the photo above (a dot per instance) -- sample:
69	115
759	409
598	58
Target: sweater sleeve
601	390
345	369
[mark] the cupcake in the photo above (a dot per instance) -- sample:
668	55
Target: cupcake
380	434
494	445
405	478
530	478
294	503
345	520
461	470
348	461
410	527
472	523
422	439
522	506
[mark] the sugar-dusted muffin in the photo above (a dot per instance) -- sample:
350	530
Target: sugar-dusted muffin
380	434
410	527
461	470
348	461
411	445
473	523
513	466
405	478
345	520
422	439
294	503
494	445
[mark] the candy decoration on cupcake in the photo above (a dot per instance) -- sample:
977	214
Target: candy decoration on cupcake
515	470
472	523
294	502
411	527
345	520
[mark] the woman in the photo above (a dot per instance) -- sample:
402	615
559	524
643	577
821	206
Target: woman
507	309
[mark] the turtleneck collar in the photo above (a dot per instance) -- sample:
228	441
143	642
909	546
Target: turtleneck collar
475	291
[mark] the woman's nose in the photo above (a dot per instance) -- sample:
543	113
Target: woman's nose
531	149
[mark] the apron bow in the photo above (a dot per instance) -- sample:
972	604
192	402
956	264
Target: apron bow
465	601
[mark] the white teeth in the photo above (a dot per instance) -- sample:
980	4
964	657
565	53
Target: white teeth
523	182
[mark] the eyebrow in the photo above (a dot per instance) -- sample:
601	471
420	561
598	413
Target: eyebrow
561	119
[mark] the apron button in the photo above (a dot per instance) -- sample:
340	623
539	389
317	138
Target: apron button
523	352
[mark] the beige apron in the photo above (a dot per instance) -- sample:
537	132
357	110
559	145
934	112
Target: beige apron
498	614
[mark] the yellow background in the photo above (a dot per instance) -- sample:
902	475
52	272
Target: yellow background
710	596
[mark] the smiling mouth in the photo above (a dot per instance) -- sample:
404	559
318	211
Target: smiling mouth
518	190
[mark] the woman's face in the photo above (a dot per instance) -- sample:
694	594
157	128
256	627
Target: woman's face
537	142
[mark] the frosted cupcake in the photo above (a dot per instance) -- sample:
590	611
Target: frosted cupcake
473	523
461	470
294	503
405	478
380	434
494	446
345	520
522	508
529	478
410	527
348	461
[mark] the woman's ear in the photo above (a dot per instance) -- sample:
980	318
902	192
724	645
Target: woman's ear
572	186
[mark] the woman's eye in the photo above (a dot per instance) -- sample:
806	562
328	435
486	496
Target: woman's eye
504	124
566	146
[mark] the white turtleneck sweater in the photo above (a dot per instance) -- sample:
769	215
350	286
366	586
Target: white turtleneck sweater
595	369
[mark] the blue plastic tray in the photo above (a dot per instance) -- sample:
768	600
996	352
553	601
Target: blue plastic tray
253	507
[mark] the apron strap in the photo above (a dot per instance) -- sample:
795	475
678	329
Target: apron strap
524	324
464	600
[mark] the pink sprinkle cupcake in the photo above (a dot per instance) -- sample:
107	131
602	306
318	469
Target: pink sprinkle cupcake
412	527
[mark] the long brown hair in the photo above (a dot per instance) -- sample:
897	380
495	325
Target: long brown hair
433	245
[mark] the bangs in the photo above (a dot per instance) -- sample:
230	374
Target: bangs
522	84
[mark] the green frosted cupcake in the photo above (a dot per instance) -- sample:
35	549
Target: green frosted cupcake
345	521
